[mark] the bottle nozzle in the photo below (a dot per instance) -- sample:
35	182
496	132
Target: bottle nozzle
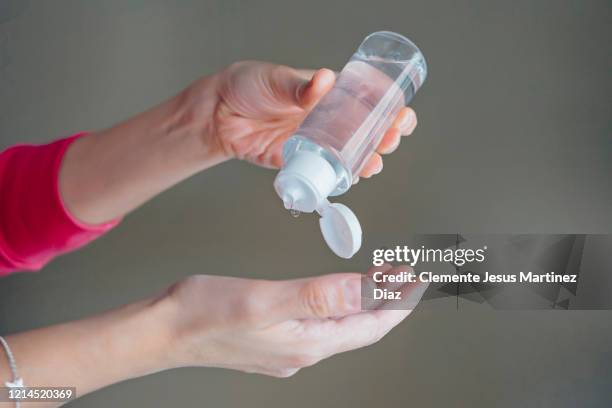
288	202
305	181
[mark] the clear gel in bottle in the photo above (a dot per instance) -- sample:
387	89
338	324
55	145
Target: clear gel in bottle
336	139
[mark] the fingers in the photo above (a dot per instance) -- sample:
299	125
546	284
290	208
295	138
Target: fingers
373	166
384	270
332	336
387	279
294	324
307	74
321	297
406	121
404	124
390	141
311	92
360	330
293	88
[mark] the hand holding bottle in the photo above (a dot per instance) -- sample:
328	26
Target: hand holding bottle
245	111
260	105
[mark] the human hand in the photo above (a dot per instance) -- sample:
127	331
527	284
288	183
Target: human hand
268	327
246	111
260	105
274	327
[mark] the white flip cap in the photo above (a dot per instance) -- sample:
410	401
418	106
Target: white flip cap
304	184
341	229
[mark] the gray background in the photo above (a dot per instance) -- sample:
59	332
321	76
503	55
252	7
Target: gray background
513	137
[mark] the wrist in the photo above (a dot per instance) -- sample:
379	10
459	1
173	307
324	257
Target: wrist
190	117
137	340
189	334
89	354
154	329
113	171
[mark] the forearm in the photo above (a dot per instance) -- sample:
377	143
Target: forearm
95	352
111	172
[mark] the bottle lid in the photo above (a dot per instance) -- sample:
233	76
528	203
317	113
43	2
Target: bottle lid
340	229
305	181
304	184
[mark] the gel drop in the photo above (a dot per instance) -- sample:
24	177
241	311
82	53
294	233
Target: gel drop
333	143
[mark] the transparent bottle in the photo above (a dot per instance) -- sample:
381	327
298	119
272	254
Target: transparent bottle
334	142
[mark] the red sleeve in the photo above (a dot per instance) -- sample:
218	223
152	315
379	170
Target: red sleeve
35	226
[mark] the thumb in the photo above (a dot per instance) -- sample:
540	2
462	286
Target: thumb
321	297
305	93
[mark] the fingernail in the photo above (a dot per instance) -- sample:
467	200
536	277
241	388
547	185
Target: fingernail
378	170
395	145
408	123
352	293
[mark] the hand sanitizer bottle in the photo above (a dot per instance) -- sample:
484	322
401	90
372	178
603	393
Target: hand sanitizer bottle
335	140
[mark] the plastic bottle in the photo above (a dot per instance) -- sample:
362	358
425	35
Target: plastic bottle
338	136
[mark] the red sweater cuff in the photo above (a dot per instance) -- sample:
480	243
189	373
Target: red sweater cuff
35	225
